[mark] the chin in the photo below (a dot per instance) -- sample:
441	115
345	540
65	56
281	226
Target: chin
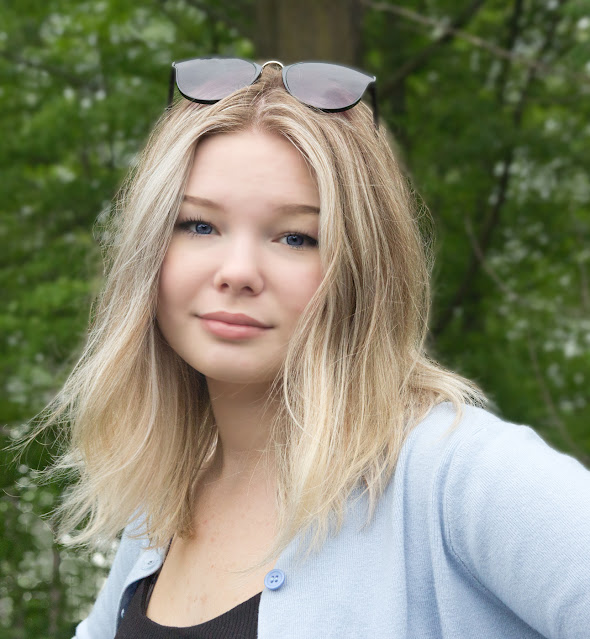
236	374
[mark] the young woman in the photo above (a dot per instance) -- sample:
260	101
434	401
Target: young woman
255	407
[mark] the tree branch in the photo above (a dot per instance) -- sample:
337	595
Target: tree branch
511	36
556	420
584	293
55	592
476	256
448	32
493	216
510	294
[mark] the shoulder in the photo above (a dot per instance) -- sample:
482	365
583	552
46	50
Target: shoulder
478	435
513	512
484	440
489	472
435	440
484	458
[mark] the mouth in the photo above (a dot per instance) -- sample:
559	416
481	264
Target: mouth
232	331
234	318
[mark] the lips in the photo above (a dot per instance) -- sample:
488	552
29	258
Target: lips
234	318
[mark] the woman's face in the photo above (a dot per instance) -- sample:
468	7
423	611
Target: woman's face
241	245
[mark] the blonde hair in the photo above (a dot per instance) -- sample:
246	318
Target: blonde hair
356	378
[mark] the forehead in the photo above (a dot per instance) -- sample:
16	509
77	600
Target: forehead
251	164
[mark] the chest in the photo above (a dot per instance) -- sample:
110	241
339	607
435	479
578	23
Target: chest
204	576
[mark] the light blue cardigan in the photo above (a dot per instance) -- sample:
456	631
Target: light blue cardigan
483	533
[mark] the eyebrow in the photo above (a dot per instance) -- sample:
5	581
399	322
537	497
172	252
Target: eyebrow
286	209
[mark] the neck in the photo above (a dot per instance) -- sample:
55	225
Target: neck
243	414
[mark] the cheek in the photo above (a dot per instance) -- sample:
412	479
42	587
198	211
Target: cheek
177	281
301	289
166	293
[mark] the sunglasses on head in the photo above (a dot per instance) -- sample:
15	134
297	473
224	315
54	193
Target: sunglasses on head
325	86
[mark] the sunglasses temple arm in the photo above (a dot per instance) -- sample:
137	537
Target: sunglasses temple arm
171	86
373	90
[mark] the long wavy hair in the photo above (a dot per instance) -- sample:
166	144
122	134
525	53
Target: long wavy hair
356	378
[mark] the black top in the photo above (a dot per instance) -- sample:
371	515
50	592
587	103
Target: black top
240	622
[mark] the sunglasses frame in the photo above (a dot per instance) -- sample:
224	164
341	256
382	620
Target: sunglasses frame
371	85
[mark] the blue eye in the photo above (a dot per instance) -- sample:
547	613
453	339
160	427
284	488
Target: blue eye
296	236
303	238
198	224
200	227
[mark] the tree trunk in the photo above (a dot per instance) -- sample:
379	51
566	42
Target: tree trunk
308	30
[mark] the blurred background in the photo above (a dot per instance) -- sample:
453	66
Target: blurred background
489	104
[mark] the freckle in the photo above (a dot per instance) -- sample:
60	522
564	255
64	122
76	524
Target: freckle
212	539
203	598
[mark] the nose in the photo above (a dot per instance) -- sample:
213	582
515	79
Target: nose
239	268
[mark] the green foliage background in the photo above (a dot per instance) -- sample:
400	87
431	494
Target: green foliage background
492	122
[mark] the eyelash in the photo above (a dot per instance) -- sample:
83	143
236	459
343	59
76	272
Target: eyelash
184	226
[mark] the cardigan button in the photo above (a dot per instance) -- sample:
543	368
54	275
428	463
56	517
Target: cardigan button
122	612
274	579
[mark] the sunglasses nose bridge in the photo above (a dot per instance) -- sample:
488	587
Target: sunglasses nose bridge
280	64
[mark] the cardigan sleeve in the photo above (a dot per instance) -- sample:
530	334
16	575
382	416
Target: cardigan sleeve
101	622
517	518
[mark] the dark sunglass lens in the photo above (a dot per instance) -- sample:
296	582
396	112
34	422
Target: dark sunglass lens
214	78
326	86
